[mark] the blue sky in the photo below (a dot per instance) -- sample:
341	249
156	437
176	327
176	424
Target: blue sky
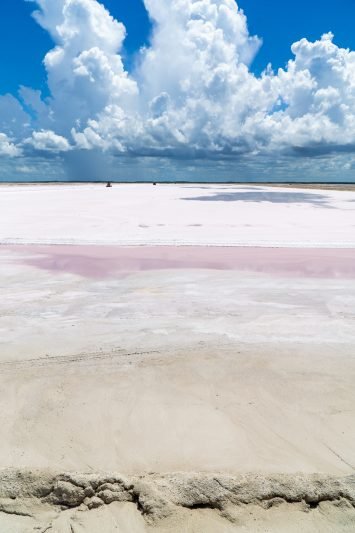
288	103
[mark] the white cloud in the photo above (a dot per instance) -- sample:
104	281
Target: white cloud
85	70
318	92
192	92
195	68
48	141
7	148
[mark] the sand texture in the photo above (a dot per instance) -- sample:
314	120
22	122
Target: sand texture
177	502
168	389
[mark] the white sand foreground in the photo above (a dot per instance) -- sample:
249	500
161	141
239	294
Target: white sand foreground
171	396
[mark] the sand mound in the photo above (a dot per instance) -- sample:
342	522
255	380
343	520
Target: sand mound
43	501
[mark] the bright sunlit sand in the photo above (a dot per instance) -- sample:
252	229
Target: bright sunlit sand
189	348
177	266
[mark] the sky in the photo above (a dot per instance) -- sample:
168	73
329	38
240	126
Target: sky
177	90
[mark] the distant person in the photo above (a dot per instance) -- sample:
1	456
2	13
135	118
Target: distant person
109	184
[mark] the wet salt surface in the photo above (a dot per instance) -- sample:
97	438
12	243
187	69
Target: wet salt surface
100	262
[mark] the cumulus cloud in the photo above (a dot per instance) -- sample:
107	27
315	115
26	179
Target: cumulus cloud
206	100
85	70
7	148
192	91
195	68
317	96
48	141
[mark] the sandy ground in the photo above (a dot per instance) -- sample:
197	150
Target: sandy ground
176	502
218	383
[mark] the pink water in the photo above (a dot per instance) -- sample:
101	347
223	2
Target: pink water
109	261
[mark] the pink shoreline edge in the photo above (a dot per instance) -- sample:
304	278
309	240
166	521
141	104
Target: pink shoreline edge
107	261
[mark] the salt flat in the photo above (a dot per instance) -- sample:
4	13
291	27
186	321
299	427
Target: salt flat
232	366
176	214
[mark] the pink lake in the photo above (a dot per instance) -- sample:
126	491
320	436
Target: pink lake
109	261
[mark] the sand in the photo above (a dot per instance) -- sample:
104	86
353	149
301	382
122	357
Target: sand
175	503
168	389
